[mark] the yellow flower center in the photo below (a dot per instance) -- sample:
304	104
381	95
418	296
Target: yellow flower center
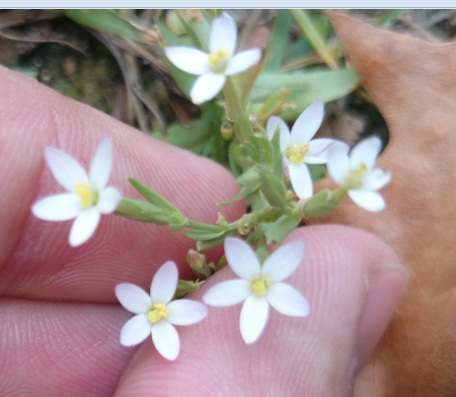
88	196
296	152
260	285
354	180
219	60
158	312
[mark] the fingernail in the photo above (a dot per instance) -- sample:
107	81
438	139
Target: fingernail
386	286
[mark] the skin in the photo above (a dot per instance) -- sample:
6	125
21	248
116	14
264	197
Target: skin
60	320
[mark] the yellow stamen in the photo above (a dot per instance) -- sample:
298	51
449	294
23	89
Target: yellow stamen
260	285
354	180
88	196
296	152
219	60
158	312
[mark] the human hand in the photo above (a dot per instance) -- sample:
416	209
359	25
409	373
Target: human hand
60	320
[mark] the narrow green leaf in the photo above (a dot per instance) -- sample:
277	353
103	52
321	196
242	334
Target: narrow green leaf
278	41
305	87
153	197
104	20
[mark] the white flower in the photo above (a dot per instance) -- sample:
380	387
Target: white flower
356	174
219	63
298	148
260	286
87	196
155	313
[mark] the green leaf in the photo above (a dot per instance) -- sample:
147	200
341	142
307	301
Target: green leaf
316	37
305	87
203	235
104	20
153	197
277	231
278	41
243	193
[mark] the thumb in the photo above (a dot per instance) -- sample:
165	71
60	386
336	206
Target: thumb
353	283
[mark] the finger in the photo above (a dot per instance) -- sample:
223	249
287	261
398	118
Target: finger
315	356
56	349
36	259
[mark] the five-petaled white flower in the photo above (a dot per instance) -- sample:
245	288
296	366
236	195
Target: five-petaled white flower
219	63
298	148
260	285
87	195
156	313
356	174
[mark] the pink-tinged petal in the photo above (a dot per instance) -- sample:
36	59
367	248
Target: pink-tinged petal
287	300
319	149
100	169
243	60
109	200
65	169
308	123
376	179
338	165
164	283
283	261
84	226
254	316
301	180
366	152
227	293
370	201
241	258
207	87
188	59
275	122
133	298
135	330
185	312
223	34
166	340
60	207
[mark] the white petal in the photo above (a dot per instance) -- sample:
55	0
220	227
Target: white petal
135	330
164	283
65	169
283	261
109	200
166	340
301	180
242	61
254	316
338	165
133	298
241	258
308	123
60	207
366	151
370	201
319	149
227	293
207	87
100	169
275	122
84	226
376	179
287	300
186	312
188	59
223	34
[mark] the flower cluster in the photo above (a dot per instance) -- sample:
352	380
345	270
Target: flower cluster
221	61
259	286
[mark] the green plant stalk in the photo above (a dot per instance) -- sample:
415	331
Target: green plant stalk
307	26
